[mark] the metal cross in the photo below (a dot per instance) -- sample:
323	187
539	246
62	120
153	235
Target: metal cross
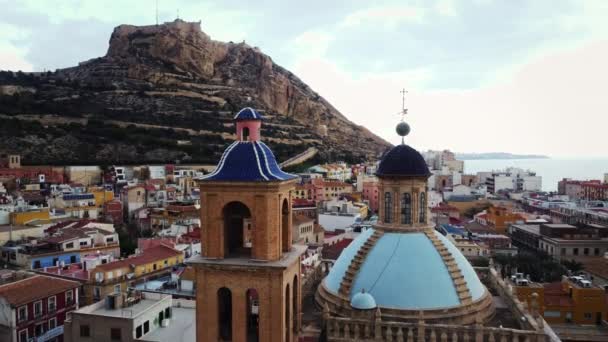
403	109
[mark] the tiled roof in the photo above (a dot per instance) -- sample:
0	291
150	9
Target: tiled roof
299	219
150	255
248	161
34	288
332	252
248	113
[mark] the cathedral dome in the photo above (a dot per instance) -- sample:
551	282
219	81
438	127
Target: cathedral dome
406	271
363	301
403	160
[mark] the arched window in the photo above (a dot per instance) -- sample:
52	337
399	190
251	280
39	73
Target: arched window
253	315
245	133
224	304
287	314
295	305
238	230
388	207
422	209
406	208
285	229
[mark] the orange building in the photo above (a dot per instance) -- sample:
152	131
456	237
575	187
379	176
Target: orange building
500	217
568	301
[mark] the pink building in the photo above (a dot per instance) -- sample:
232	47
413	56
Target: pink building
370	194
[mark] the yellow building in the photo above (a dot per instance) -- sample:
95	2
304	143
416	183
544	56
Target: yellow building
117	276
22	218
102	196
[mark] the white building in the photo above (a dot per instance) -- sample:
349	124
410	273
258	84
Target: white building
511	179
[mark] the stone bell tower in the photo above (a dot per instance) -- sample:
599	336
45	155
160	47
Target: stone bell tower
248	276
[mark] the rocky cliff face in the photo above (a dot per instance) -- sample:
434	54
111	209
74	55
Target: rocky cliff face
175	76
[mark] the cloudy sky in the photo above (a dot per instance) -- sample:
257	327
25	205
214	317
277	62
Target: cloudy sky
483	75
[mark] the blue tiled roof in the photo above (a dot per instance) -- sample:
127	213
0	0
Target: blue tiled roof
402	160
450	229
248	113
78	197
405	271
363	301
248	161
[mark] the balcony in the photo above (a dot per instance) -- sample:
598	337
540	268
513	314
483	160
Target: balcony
49	335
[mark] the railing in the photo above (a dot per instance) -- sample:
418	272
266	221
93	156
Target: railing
349	329
49	335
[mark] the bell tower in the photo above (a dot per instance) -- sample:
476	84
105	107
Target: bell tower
248	275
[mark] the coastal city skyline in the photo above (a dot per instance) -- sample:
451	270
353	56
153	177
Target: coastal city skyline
281	171
487	59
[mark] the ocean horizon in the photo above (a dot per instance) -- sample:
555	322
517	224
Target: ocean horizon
552	170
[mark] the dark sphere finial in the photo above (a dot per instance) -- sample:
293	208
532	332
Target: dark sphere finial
403	129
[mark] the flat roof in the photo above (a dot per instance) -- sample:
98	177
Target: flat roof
182	327
128	312
530	228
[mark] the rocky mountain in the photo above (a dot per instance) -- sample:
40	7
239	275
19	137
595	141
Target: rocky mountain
167	93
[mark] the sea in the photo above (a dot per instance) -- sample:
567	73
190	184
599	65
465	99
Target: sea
552	170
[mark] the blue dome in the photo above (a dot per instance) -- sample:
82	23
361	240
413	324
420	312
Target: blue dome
403	160
248	113
405	271
363	301
248	161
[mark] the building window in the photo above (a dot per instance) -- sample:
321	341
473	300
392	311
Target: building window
52	323
85	331
596	251
117	288
115	334
388	207
575	251
22	314
84	243
588	315
422	216
38	309
52	303
23	335
563	251
39	329
139	332
406	208
69	297
69	245
146	327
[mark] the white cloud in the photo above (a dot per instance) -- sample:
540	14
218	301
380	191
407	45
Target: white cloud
387	16
553	105
13	60
446	8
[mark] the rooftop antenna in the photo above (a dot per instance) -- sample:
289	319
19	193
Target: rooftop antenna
178	13
156	12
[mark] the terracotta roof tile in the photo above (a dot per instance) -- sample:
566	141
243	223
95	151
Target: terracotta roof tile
150	255
34	288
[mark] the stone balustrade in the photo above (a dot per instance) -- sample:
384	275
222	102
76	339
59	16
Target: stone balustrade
340	329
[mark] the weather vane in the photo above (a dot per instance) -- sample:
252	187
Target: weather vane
403	109
403	128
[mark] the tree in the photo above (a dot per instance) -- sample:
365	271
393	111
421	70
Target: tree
573	265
